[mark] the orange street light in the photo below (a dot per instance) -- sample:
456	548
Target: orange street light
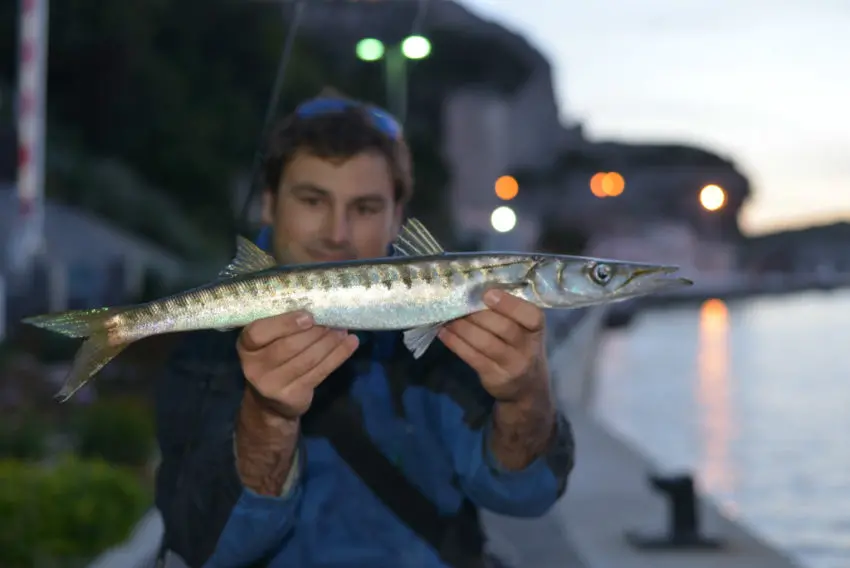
607	184
613	184
596	185
507	188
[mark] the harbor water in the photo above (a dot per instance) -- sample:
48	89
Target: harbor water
753	397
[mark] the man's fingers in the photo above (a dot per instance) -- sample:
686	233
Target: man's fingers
284	349
260	333
470	355
482	340
524	313
499	325
329	364
320	360
313	355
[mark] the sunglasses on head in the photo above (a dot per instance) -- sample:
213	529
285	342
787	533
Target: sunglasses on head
381	119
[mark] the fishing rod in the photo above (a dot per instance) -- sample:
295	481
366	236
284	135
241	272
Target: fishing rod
271	108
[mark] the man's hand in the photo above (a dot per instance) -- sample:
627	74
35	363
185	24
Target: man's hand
284	358
505	346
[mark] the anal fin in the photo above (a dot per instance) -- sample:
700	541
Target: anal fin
419	339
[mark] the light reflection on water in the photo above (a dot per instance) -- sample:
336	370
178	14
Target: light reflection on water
754	397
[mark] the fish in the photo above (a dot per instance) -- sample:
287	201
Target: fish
418	291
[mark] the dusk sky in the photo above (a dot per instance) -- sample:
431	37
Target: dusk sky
766	83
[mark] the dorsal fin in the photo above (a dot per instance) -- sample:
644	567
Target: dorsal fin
415	240
249	258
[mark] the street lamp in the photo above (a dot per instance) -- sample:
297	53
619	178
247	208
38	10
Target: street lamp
503	219
607	184
507	188
416	47
370	49
395	66
712	197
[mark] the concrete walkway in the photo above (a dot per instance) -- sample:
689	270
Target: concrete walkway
609	494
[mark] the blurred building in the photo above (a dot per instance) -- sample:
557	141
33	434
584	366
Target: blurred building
87	262
655	183
820	250
653	211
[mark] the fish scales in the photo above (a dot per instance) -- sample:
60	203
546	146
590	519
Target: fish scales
379	296
392	294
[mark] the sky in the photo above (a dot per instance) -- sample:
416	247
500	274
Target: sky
765	83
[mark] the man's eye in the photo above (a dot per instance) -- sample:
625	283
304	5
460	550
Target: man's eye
310	201
368	210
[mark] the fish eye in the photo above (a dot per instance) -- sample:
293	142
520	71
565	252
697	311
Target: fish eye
601	273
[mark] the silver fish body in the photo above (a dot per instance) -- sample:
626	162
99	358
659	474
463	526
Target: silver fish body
385	294
418	291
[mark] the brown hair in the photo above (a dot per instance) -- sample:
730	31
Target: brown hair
337	135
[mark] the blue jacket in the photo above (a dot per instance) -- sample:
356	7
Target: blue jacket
433	425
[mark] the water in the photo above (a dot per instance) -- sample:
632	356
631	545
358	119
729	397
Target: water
754	398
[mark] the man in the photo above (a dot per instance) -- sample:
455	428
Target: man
258	467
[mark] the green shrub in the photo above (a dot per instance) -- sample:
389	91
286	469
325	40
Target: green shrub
23	438
66	514
118	430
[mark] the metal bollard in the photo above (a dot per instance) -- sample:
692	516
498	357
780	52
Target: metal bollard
683	530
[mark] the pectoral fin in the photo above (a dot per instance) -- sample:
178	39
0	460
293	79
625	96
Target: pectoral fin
418	339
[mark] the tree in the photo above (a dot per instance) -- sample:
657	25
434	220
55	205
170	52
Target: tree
175	90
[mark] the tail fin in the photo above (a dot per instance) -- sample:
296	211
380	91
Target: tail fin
74	323
95	352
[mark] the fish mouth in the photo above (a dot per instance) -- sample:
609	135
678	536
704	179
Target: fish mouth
650	279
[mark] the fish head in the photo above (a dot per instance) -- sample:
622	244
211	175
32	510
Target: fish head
573	282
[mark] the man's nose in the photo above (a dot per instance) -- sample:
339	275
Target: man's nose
339	228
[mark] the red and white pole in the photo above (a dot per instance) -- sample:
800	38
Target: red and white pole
31	119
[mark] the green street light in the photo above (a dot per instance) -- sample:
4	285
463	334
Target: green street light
394	60
416	47
370	49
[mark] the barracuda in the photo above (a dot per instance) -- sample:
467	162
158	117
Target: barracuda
419	291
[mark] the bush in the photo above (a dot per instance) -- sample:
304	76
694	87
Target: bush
66	514
23	438
118	430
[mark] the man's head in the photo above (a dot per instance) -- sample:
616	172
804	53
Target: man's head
337	178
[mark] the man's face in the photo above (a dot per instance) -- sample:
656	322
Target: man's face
333	210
